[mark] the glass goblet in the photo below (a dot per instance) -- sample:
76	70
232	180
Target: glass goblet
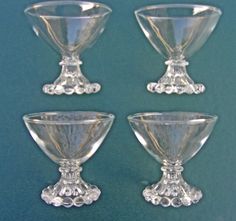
69	27
177	31
69	139
172	138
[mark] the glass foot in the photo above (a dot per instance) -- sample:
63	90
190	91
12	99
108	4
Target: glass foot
71	190
71	80
172	190
70	195
67	89
178	89
176	80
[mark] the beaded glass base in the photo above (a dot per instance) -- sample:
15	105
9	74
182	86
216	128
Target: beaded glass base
172	190
71	80
176	80
71	190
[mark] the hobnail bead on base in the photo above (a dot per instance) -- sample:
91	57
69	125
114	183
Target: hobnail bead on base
176	80
71	190
172	190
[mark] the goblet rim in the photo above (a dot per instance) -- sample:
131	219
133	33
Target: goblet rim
64	2
31	118
205	118
216	10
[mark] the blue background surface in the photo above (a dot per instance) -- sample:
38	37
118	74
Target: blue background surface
123	61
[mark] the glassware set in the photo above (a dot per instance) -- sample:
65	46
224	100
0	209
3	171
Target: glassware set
69	139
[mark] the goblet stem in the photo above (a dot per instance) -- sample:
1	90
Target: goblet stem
176	80
70	190
172	190
71	79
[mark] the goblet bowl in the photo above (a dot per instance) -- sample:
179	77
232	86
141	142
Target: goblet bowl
172	138
177	31
69	27
69	139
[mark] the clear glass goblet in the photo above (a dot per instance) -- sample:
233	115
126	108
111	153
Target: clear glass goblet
69	27
69	139
177	31
172	138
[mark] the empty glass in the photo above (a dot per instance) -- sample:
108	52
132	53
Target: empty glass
69	27
177	31
172	138
69	139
